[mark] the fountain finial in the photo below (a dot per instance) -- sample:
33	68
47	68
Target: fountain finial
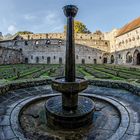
70	10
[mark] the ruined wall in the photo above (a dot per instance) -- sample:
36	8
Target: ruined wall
10	56
94	40
50	48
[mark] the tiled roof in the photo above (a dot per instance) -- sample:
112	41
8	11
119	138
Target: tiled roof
129	27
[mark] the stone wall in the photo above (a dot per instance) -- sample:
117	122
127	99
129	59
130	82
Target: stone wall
10	56
52	51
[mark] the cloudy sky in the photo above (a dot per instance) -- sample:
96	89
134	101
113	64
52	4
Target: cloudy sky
43	16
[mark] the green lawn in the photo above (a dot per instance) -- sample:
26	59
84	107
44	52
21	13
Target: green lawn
28	71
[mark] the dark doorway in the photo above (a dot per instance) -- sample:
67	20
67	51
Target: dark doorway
138	59
95	61
37	59
26	60
105	60
83	61
112	59
60	60
48	60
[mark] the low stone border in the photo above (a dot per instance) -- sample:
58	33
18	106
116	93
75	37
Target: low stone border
23	84
135	89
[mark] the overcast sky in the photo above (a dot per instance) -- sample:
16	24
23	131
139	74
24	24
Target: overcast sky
43	16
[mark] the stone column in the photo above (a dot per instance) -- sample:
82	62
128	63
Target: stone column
70	100
70	12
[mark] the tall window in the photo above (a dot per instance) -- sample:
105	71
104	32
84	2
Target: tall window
128	57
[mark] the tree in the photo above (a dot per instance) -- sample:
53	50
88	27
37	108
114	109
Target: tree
79	27
24	32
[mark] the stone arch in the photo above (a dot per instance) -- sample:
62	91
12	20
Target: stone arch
83	61
26	43
128	57
37	59
105	58
48	60
60	60
95	61
26	60
112	59
136	57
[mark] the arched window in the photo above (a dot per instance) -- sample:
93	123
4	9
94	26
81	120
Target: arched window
128	57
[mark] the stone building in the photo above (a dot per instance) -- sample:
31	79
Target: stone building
125	44
120	46
50	48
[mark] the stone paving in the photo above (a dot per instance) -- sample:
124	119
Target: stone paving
126	102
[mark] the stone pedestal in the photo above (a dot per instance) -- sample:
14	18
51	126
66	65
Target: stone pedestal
60	118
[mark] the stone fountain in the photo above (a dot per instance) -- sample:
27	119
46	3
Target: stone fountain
70	114
69	110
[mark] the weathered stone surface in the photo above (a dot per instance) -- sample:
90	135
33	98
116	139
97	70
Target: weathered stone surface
129	100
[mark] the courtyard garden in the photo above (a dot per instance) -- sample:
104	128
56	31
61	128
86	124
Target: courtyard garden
19	72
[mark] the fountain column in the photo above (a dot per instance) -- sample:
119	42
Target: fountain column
70	100
69	110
